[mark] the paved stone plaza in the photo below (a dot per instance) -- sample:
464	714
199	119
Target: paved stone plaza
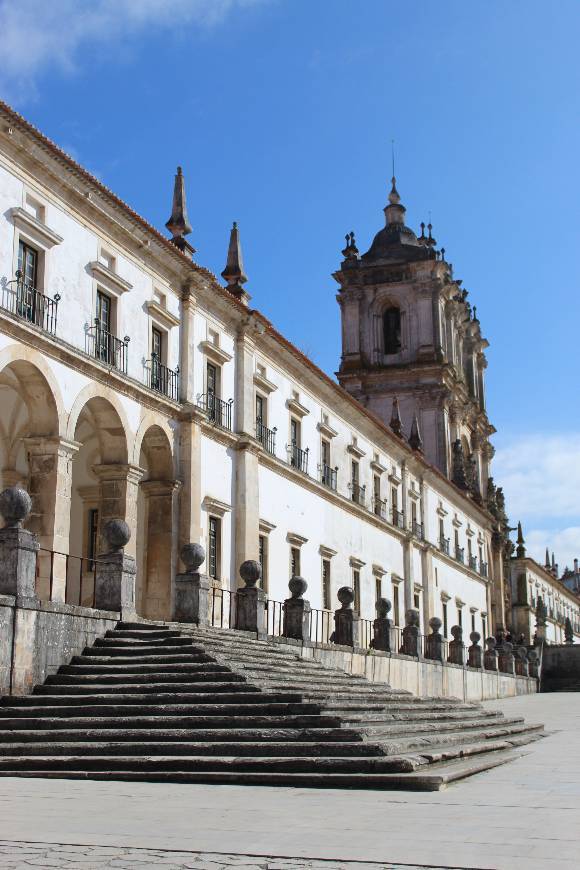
526	811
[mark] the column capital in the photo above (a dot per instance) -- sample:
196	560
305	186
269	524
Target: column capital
52	445
160	487
120	471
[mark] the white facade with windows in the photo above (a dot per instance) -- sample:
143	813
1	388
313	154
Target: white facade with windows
133	384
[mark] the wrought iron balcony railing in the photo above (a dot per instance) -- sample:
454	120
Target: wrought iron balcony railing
473	563
161	379
444	545
417	530
380	508
266	437
219	412
23	300
297	457
329	476
459	555
398	518
357	493
483	569
106	347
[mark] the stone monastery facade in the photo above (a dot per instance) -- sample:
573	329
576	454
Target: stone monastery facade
133	384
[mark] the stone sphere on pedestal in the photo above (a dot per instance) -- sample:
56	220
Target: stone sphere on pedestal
475	637
382	607
435	624
192	556
345	595
15	506
250	572
297	586
117	534
457	632
412	617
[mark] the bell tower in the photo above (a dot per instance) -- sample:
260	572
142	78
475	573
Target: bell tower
412	346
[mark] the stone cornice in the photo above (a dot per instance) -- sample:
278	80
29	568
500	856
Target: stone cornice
165	317
38	230
108	278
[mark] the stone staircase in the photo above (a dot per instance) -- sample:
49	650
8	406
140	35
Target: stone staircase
183	704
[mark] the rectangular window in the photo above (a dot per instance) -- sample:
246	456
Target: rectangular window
377	493
103	311
212	380
483	626
356	589
295	432
460	617
28	264
396	607
294	561
469	551
263	560
325	453
93	527
260	410
378	588
214	547
326	591
441	529
394	498
473	621
417	601
445	623
456	539
413	513
157	344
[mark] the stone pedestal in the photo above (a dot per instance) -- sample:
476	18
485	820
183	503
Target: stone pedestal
250	600
506	660
475	652
490	662
410	640
434	644
297	611
191	591
115	571
382	627
456	647
533	664
521	662
346	620
18	554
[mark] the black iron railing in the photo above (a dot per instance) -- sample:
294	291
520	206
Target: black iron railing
219	412
357	493
329	476
444	545
483	569
418	530
25	301
380	508
298	458
107	348
78	572
266	437
460	555
473	563
398	518
161	379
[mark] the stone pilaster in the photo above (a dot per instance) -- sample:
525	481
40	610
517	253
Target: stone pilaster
187	350
50	463
159	567
118	494
246	504
190	473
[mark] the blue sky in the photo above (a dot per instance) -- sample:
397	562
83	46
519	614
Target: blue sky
281	113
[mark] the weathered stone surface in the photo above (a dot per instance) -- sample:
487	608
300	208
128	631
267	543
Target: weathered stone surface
297	611
346	620
115	582
191	597
18	555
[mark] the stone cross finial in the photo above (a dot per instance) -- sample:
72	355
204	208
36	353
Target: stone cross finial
234	269
178	224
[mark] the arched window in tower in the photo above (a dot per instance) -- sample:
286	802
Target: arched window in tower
392	330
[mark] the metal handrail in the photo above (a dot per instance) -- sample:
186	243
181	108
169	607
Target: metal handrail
86	565
357	493
329	476
298	458
444	545
23	300
380	508
417	530
161	378
218	411
398	518
266	437
106	347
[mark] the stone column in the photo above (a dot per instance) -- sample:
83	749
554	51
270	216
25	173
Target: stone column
250	600
427	563
187	350
115	571
119	490
50	472
409	576
191	599
246	506
190	472
18	546
297	611
346	620
158	558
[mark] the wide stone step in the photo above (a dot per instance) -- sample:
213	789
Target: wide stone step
129	707
153	643
182	763
173	748
431	745
140	650
140	634
413	716
143	626
201	689
131	735
142	659
428	778
202	700
96	668
404	727
151	681
163	720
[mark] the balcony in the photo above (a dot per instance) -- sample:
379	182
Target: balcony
107	348
219	412
473	563
483	569
357	493
417	530
24	301
298	458
266	437
398	518
329	476
460	555
161	379
444	545
380	508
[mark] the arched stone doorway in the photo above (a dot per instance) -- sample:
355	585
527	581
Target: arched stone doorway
33	454
156	526
104	487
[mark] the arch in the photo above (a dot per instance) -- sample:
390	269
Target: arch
106	395
38	387
154	421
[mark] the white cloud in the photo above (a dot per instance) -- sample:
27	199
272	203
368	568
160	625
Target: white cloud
40	34
541	479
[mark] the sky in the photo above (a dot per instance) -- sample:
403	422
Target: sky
282	114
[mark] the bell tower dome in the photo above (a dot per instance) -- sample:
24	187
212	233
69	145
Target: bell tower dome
410	336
